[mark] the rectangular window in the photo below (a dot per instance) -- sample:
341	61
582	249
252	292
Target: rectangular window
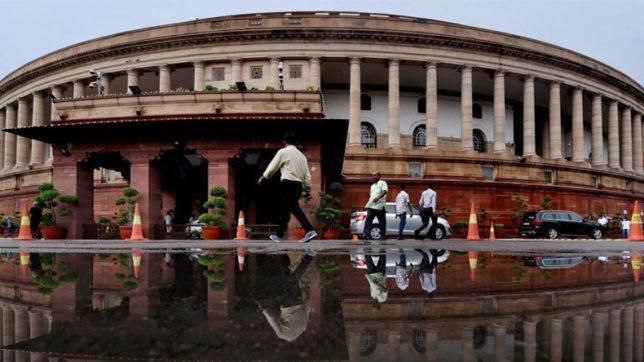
295	71
594	180
488	172
218	74
549	176
415	169
256	72
255	22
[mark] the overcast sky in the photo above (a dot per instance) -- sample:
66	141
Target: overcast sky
609	31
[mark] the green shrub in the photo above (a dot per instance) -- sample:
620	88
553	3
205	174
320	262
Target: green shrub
218	191
269	88
210	88
460	225
125	214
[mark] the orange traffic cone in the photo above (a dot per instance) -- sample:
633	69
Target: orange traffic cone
241	258
241	228
492	236
136	263
635	233
25	260
137	228
636	264
473	228
25	226
473	257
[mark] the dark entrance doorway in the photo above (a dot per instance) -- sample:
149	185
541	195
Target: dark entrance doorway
184	178
259	203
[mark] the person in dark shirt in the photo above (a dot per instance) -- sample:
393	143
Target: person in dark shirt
35	216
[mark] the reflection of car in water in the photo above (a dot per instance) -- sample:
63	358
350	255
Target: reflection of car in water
553	262
413	223
393	256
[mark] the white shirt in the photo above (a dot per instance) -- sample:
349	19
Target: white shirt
377	188
293	165
291	322
626	225
168	219
402	202
428	199
428	281
603	221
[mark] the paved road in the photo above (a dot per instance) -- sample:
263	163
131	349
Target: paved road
509	246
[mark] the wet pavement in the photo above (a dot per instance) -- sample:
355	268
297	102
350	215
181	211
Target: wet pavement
409	301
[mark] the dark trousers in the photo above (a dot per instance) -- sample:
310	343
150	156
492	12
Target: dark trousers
401	225
382	221
290	192
425	215
381	267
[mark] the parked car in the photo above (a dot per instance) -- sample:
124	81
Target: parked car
552	224
413	258
358	218
553	262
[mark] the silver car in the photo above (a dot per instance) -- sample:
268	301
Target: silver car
358	218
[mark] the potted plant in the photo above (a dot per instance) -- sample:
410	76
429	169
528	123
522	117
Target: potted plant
214	220
460	229
126	213
48	198
328	216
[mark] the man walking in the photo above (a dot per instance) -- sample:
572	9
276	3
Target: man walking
402	207
427	206
295	178
376	207
35	216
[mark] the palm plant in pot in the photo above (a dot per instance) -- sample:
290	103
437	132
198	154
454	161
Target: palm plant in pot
328	215
126	213
214	220
48	198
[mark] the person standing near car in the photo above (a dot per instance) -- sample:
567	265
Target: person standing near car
295	179
402	207
376	206
626	227
427	205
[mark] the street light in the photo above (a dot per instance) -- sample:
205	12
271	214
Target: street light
280	68
98	75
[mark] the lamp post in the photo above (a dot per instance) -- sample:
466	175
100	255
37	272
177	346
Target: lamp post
98	75
280	68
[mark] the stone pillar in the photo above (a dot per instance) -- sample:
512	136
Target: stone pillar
21	324
23	144
394	104
8	326
273	76
432	345
165	82
38	119
147	179
200	69
132	79
627	333
79	89
466	109
3	118
499	111
36	324
578	338
530	341
9	138
638	334
499	343
598	336
467	344
614	330
236	70
556	339
554	121
73	178
57	92
106	83
613	135
597	132
545	140
627	140
529	148
315	79
393	346
637	143
578	125
354	102
431	106
354	338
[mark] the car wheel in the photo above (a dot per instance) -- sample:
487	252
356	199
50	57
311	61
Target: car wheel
376	232
597	234
553	233
439	233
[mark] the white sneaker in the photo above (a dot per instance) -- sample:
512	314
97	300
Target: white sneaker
308	236
276	238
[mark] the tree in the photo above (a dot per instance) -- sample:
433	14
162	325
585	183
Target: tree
546	204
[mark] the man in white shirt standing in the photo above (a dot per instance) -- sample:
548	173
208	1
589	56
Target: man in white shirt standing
402	208
295	178
376	207
427	205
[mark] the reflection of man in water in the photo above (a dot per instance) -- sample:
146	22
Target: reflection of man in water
284	308
377	276
427	275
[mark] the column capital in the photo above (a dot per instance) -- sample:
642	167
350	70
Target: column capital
314	58
199	62
528	77
80	81
463	67
598	96
355	60
431	64
499	72
393	61
133	71
164	66
273	59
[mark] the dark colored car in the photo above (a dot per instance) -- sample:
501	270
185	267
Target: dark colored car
552	224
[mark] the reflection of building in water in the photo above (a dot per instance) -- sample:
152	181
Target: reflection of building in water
509	313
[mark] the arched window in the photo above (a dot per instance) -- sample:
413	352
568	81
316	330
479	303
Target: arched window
420	136
420	341
422	105
477	110
478	140
368	341
365	102
368	137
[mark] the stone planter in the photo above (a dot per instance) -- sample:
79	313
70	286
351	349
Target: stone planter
52	232
331	234
125	232
210	232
